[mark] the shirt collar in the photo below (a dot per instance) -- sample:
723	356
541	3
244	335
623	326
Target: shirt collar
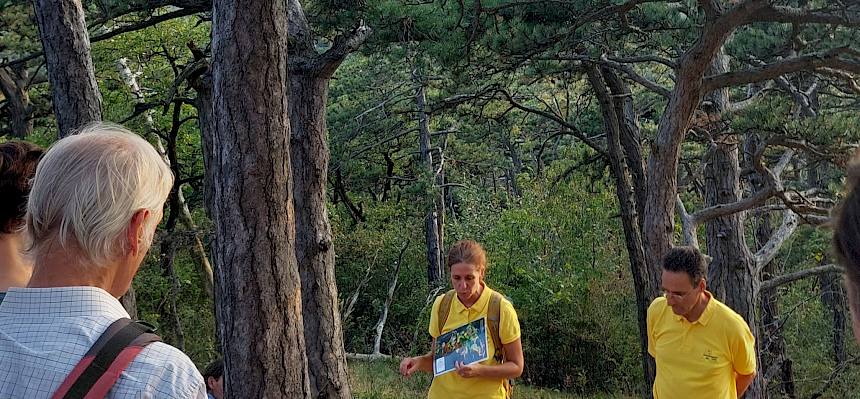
61	301
479	305
707	314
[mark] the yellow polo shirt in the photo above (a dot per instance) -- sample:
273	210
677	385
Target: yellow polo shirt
699	359
451	385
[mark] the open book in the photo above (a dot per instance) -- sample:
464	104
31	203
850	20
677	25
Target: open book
466	344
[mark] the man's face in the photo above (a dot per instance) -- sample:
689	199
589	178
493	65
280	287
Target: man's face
680	292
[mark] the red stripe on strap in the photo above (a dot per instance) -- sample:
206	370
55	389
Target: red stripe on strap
73	376
106	381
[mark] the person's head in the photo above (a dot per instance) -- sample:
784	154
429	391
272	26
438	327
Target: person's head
846	240
467	266
96	200
683	278
213	375
18	160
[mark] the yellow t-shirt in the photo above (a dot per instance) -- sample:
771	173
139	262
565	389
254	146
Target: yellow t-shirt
451	385
699	359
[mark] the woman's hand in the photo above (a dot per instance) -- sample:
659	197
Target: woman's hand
408	366
470	371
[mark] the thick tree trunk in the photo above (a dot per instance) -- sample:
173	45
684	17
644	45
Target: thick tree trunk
732	274
314	246
624	188
74	90
257	285
13	85
435	264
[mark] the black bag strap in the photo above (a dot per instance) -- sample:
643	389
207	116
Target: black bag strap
119	335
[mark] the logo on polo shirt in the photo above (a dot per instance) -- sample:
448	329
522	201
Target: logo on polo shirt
709	356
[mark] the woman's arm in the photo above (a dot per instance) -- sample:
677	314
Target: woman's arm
511	368
410	365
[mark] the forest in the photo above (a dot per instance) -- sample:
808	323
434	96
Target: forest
327	152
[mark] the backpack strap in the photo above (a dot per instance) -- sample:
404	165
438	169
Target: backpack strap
494	319
101	366
445	308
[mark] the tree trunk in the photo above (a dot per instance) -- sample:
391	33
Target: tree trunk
314	246
257	285
833	299
732	275
13	85
129	302
624	188
75	93
435	268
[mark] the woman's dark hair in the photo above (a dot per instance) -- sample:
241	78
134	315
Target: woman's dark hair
846	232
688	260
18	161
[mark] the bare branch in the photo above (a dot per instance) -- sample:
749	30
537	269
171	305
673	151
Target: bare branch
769	250
624	68
774	13
792	277
829	59
555	118
688	225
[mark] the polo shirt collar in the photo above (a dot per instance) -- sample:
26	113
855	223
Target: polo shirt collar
479	305
707	314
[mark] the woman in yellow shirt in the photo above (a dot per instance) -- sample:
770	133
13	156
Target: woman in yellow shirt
474	300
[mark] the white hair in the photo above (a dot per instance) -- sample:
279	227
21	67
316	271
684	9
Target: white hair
88	186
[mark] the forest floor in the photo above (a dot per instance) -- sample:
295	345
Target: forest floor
380	380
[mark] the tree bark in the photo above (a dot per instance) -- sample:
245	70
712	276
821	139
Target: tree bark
732	273
774	358
13	85
435	269
257	285
75	93
624	188
314	246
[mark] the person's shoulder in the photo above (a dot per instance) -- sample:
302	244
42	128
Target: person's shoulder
657	305
728	317
167	371
438	300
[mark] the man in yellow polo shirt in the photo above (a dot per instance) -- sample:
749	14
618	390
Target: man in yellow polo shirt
703	349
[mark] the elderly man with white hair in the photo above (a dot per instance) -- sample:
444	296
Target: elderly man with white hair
96	200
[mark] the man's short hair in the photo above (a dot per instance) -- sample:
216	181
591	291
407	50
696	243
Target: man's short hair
88	186
687	260
18	161
214	370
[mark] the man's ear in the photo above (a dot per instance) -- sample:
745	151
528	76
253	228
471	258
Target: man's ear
136	231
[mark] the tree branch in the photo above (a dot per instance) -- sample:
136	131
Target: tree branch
829	59
769	250
774	13
688	224
792	277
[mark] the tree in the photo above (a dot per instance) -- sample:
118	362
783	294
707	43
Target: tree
310	74
257	285
66	44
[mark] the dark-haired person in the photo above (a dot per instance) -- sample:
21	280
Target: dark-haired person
846	240
470	300
213	376
18	161
702	348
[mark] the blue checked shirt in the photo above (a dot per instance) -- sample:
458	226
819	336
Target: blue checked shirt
44	332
